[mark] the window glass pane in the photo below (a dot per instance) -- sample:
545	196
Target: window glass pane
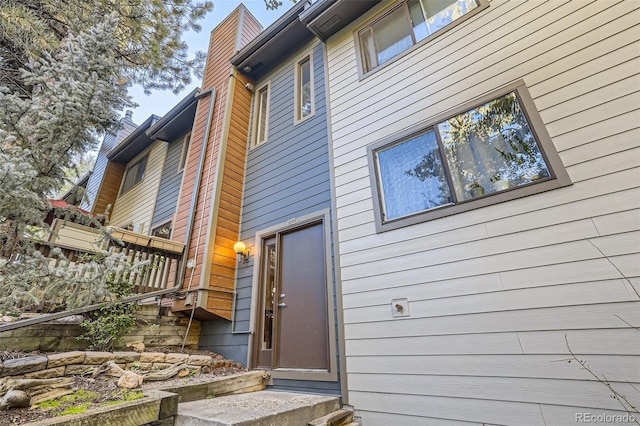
412	176
387	38
442	12
304	88
491	148
134	174
420	29
261	127
185	151
269	294
140	168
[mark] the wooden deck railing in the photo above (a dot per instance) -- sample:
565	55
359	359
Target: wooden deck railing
162	257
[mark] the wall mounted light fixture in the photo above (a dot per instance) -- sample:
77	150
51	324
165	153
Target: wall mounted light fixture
242	251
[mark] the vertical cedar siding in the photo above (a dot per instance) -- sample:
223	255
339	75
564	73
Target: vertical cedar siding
217	212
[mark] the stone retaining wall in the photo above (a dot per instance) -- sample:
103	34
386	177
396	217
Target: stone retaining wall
80	363
156	326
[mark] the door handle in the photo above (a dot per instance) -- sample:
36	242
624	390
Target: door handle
282	304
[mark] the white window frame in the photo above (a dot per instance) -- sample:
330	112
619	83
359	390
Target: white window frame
257	117
297	112
186	143
134	163
482	4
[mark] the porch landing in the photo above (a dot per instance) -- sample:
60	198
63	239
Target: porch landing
263	408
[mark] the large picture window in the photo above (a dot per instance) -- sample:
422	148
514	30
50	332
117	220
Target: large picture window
461	162
405	25
134	174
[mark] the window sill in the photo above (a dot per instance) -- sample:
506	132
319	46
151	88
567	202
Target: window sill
302	120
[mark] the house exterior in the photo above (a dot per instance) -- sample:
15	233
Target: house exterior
437	204
465	306
285	317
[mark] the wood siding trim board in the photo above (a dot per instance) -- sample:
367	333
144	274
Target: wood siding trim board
497	294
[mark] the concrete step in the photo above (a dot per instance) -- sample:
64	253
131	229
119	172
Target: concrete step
337	418
263	408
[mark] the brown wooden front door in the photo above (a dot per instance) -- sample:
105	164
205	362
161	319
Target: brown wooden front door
292	322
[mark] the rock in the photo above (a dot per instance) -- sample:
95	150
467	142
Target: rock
161	365
79	370
97	358
13	367
199	360
173	358
125	357
183	373
49	373
152	357
130	380
67	358
14	399
136	346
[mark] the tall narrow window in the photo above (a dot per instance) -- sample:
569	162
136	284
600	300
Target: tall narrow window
261	115
134	174
185	152
410	22
304	89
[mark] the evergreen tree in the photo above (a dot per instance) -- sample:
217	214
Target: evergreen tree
65	70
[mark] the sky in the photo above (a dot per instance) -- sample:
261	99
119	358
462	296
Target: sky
161	101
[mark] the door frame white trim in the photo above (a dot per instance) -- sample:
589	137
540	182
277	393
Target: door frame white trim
297	222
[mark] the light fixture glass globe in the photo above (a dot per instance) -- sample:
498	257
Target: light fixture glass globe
239	247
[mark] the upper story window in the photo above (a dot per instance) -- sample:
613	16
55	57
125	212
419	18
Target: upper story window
406	24
134	174
495	151
304	106
261	115
185	152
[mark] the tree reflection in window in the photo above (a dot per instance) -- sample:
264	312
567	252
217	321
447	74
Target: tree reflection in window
485	150
491	147
410	187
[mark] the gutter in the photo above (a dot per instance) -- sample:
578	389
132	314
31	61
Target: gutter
196	187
